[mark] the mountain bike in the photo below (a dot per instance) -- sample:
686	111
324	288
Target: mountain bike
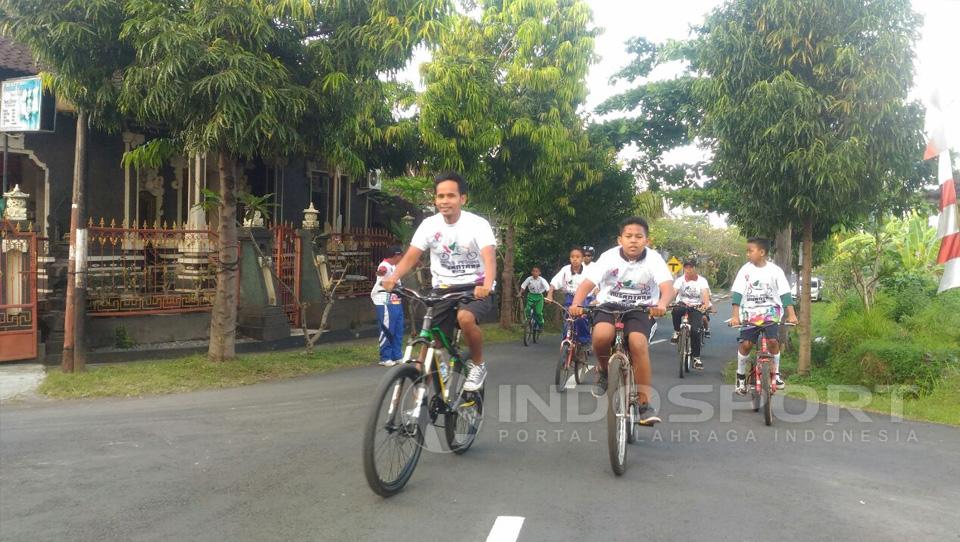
760	376
573	353
425	388
624	408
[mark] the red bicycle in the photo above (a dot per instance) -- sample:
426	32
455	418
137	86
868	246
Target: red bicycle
760	377
573	354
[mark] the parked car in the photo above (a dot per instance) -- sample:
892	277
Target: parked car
816	289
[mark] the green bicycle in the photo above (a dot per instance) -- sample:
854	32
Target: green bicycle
425	388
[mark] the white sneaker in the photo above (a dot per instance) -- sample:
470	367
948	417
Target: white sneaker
741	388
387	363
675	338
779	382
476	375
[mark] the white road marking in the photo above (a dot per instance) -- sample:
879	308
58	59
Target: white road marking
657	341
505	529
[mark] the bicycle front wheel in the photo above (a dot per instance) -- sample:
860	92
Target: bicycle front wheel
752	387
618	391
767	393
580	365
565	365
393	439
527	333
682	346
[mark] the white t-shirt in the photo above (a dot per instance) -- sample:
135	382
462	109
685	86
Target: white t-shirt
690	292
378	294
761	288
455	248
629	282
568	281
537	285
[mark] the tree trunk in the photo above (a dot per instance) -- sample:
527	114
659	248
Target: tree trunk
506	306
74	354
803	366
223	319
783	257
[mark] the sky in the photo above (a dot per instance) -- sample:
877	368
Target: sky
937	66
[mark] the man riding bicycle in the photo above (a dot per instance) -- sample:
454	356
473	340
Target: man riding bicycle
629	275
693	300
462	254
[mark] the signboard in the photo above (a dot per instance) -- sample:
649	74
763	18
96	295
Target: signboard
25	107
674	265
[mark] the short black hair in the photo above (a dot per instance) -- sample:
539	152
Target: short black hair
689	262
578	249
635	221
537	267
395	250
450	176
761	242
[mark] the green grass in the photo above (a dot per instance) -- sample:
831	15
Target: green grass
194	372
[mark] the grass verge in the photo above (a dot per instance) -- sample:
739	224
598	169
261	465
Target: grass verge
156	377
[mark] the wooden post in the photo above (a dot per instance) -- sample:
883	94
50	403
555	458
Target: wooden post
74	354
806	334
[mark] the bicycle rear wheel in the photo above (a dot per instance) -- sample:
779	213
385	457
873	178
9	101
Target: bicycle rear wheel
565	365
462	424
617	414
392	441
767	395
682	346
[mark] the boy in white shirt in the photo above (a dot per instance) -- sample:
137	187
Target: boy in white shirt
629	275
389	312
567	280
534	287
693	299
760	294
462	256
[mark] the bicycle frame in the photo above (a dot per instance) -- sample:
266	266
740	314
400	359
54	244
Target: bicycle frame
763	356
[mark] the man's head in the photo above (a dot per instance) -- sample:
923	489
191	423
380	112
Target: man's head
394	255
535	272
450	193
587	254
576	256
690	269
757	250
633	236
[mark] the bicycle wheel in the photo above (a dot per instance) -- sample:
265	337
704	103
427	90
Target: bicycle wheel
536	333
767	395
682	347
564	367
526	333
580	365
462	425
389	461
752	387
617	415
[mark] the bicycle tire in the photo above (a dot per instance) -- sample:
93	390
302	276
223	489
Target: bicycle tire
526	333
396	376
617	415
461	437
682	349
580	365
767	394
564	365
536	334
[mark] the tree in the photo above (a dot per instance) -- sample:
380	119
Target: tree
500	105
805	110
78	42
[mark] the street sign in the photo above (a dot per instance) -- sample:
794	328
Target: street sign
25	107
674	264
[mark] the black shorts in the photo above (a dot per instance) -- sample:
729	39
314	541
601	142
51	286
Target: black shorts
636	322
752	334
445	317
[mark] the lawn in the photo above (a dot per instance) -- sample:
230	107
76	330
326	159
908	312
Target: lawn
134	379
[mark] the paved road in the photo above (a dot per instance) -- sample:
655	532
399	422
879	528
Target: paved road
280	461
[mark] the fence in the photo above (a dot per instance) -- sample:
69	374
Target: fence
18	292
356	256
143	270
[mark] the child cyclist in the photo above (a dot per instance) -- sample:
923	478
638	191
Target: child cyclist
567	280
629	275
693	300
534	287
760	294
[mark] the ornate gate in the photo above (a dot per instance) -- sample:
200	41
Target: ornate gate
286	261
18	293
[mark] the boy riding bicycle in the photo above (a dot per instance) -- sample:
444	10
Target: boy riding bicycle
462	253
534	287
693	300
567	280
629	275
760	294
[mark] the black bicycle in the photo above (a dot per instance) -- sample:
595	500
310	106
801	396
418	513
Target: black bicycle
531	331
426	388
623	414
685	336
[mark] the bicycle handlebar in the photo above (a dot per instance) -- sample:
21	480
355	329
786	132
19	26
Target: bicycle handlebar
622	312
434	299
711	310
742	326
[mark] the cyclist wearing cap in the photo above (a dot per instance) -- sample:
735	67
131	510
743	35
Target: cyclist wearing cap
389	312
693	300
587	255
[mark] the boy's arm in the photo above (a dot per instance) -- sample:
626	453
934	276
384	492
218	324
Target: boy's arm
575	306
407	263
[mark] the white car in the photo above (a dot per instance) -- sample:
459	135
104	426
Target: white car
816	289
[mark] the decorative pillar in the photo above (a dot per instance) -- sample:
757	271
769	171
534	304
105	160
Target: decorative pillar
16	209
311	218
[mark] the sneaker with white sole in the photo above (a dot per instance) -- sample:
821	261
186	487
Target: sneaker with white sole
697	364
779	382
387	363
476	375
741	388
676	337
